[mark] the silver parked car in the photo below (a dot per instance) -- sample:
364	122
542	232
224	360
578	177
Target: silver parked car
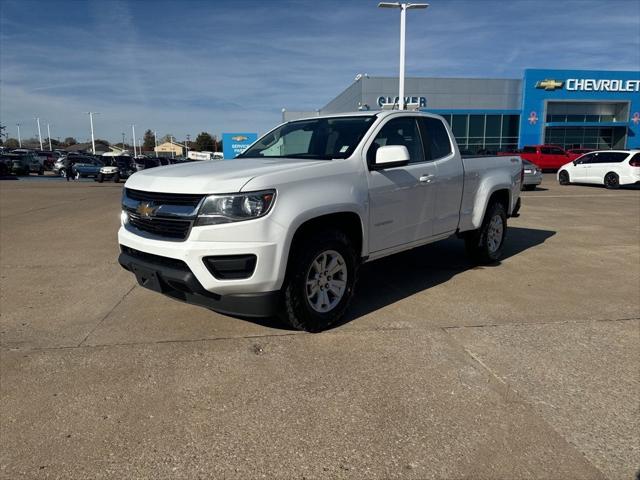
532	175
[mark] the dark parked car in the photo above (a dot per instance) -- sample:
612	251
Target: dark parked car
117	168
85	167
146	163
21	163
33	162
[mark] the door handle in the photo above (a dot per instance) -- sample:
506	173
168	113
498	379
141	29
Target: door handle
426	179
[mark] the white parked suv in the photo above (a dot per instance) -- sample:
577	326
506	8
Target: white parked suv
611	168
283	228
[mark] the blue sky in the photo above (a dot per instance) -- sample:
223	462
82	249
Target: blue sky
182	67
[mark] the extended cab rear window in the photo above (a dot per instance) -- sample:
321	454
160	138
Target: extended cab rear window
435	138
529	150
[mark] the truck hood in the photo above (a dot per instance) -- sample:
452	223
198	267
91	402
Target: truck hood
212	176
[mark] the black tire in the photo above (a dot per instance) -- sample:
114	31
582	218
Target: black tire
612	181
297	310
479	249
100	178
62	172
529	187
563	178
116	178
41	171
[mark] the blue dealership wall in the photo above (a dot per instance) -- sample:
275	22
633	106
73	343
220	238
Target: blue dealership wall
540	86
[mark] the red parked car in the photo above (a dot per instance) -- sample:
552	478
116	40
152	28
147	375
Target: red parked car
580	151
547	157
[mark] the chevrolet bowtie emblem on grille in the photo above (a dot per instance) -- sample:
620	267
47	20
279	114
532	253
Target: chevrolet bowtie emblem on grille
146	209
548	84
239	138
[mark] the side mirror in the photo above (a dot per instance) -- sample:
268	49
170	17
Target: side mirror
391	156
575	162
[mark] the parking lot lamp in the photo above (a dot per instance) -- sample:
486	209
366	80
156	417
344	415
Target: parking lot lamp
49	137
122	142
19	138
93	139
133	128
39	133
155	141
403	13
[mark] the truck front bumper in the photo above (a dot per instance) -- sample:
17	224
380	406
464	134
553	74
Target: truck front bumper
175	279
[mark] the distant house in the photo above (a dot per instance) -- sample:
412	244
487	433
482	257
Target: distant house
168	148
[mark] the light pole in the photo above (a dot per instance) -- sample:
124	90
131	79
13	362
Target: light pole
155	142
93	139
173	154
403	14
39	133
49	137
19	138
186	145
133	128
122	142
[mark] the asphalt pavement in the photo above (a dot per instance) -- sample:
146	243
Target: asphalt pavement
525	369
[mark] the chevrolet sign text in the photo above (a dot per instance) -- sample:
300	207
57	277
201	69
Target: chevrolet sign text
601	85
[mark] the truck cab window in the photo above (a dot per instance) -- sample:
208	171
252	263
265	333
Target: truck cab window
399	131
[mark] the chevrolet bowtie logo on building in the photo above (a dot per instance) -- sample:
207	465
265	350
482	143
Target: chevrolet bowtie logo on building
239	138
146	209
548	84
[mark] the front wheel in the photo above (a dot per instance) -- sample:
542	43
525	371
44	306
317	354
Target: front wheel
100	178
611	180
563	178
320	281
62	172
485	244
41	171
116	178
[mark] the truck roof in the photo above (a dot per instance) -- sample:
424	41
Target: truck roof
369	113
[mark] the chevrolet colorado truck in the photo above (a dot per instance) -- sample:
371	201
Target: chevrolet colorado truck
283	228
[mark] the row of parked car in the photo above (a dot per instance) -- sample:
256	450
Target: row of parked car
107	168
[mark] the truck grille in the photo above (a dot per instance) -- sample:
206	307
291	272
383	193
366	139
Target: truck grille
164	198
178	229
171	216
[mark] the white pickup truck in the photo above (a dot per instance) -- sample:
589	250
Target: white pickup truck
283	228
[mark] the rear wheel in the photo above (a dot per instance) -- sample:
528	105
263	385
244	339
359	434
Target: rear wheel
563	178
116	178
41	171
485	244
320	281
611	180
100	178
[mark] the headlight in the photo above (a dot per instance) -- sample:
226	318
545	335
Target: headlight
235	208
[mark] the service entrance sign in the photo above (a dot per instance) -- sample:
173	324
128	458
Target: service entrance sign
233	144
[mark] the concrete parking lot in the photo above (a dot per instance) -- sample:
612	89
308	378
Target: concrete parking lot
526	369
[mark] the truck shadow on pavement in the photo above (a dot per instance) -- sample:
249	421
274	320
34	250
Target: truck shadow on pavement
391	279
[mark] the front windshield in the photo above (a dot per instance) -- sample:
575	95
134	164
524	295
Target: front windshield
315	139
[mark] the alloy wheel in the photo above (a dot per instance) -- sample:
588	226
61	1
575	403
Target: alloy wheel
326	281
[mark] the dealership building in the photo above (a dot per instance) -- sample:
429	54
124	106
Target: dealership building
571	108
